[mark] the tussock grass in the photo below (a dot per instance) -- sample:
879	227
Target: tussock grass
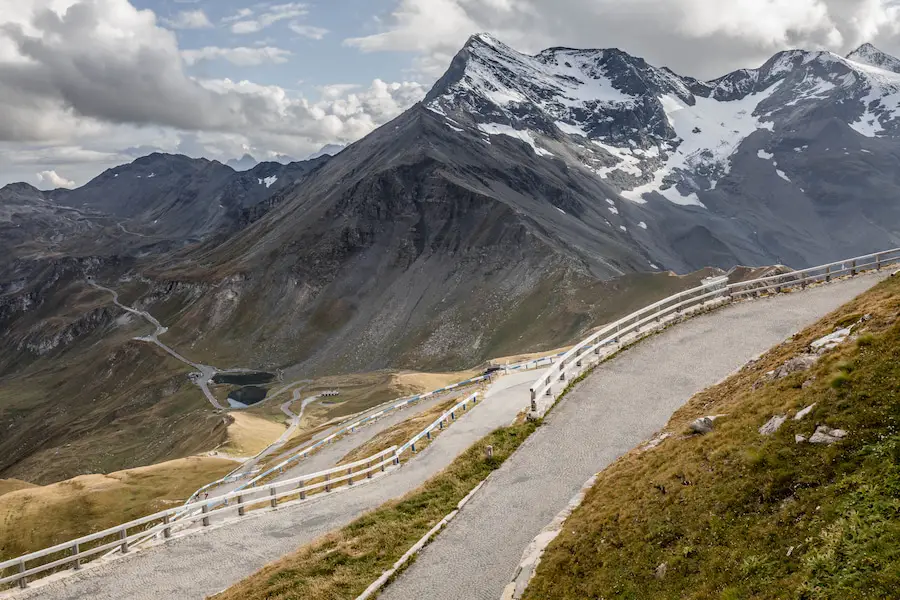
737	515
342	564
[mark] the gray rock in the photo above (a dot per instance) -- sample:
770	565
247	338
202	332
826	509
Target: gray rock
660	572
799	439
830	341
826	435
702	425
803	413
804	362
773	425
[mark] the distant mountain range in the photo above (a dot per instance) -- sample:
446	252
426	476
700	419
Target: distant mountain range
526	199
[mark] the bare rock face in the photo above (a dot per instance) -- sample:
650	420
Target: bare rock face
702	426
826	435
773	425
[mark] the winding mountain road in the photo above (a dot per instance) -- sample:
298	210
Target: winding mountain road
206	372
623	402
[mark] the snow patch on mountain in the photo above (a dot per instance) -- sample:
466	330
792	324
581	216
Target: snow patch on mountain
708	133
525	136
268	181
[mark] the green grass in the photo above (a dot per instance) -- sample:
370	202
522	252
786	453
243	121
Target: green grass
344	563
736	515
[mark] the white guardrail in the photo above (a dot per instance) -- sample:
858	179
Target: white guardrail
550	385
544	392
78	551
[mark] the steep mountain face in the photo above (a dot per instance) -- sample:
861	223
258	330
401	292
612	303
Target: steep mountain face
789	162
176	197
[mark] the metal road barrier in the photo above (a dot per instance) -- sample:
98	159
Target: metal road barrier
713	293
123	537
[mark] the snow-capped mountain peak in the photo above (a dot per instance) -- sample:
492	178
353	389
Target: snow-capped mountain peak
644	129
870	55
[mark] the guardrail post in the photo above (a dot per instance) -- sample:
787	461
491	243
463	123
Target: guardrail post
350	473
241	511
533	405
327	486
828	273
597	350
877	262
578	364
205	510
853	269
123	535
396	459
75	551
427	435
562	376
803	281
274	501
549	392
453	416
413	448
369	469
23	582
441	424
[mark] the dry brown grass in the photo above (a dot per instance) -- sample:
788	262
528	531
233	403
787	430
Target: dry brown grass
12	485
42	516
250	434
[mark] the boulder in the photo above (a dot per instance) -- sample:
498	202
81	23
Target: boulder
773	425
702	425
803	413
799	439
826	435
804	362
660	572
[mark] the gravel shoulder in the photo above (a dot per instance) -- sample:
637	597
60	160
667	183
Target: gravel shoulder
623	402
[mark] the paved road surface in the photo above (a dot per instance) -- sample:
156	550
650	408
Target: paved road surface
203	563
206	372
625	401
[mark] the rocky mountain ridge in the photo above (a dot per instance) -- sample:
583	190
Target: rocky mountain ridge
525	200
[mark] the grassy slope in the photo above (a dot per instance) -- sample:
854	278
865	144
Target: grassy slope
342	564
40	517
734	514
401	433
12	485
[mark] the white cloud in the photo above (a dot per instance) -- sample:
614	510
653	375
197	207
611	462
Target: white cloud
239	15
273	14
86	84
241	56
308	31
703	38
190	19
53	179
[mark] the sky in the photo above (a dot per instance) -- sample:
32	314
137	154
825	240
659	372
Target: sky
89	84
